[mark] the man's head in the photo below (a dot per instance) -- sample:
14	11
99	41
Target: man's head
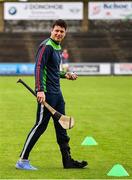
58	31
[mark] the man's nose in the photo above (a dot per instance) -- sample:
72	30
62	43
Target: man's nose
59	33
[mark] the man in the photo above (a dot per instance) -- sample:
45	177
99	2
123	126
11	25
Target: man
47	75
65	60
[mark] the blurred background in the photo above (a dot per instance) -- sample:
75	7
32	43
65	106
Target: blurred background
98	42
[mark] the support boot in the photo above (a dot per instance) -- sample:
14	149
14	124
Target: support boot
71	163
67	160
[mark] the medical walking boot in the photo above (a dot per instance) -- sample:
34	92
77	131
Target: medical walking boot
71	163
67	161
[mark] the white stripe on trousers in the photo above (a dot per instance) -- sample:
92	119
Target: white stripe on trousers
33	131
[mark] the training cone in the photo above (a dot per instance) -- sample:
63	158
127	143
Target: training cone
89	141
118	170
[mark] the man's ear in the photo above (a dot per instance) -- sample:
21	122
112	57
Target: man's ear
65	32
51	32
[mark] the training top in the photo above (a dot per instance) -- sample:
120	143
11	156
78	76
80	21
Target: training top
47	67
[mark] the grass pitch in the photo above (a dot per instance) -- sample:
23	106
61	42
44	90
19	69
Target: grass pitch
102	108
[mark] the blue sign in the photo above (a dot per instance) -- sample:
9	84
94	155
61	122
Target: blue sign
16	68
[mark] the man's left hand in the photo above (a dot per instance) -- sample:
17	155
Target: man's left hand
71	76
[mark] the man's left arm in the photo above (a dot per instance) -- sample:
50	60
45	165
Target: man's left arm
68	75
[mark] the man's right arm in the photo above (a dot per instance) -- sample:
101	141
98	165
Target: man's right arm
40	96
42	57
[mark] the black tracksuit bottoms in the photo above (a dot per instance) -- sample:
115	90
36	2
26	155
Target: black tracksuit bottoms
42	120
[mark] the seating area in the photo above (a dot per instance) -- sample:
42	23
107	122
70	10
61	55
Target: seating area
19	47
100	47
83	47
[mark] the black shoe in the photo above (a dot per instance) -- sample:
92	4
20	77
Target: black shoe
71	163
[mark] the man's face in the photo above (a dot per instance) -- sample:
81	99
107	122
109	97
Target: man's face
58	33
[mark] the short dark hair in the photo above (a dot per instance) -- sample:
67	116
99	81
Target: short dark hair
61	23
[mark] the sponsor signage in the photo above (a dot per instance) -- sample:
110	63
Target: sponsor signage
109	10
79	68
43	11
16	69
91	68
123	68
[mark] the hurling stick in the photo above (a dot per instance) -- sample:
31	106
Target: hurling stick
65	121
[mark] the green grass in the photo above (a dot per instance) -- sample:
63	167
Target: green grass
102	108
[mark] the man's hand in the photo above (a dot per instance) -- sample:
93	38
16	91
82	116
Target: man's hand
71	76
40	96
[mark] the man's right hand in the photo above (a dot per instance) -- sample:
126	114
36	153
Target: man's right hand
40	96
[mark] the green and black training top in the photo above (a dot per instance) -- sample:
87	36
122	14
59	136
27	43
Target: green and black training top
47	67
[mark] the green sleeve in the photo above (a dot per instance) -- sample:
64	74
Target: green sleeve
62	74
